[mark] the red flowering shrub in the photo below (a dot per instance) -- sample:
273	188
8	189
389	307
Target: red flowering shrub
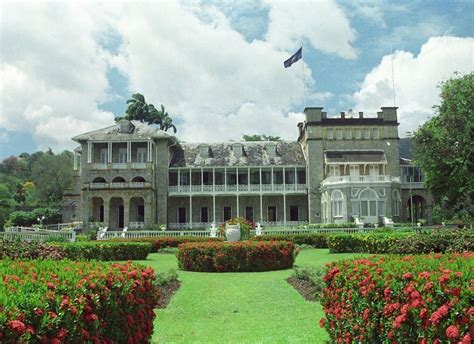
64	301
236	257
400	299
157	243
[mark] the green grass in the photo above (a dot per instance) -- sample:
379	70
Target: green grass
239	307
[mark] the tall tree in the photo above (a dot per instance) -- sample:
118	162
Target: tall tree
139	110
260	137
444	147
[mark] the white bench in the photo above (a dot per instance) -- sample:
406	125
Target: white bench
359	223
387	222
101	232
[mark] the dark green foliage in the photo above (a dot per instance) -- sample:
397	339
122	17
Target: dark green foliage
106	250
258	137
444	148
29	218
314	240
29	250
312	274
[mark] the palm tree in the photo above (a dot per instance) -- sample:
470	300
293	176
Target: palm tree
137	108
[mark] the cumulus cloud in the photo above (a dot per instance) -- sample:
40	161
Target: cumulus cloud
416	79
53	73
322	23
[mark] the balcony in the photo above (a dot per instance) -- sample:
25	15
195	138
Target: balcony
359	179
130	185
119	166
413	185
246	188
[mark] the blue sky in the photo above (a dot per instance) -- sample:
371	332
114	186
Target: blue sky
218	66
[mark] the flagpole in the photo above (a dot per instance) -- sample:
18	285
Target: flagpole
304	83
393	76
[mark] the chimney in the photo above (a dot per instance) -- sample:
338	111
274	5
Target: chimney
343	114
313	114
361	114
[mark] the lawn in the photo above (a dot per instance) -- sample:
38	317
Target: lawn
239	307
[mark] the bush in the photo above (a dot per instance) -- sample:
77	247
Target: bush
328	225
75	302
158	243
312	274
236	257
403	242
30	250
399	299
315	240
107	250
28	218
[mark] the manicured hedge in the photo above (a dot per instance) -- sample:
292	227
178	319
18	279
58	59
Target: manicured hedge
403	242
157	243
45	301
316	240
236	257
75	251
400	299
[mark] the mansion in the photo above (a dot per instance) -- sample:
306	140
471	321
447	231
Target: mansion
136	176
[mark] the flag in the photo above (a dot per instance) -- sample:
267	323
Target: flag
295	58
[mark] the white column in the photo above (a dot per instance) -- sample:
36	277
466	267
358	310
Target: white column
202	180
109	152
179	180
284	179
238	205
191	211
237	180
284	209
149	151
129	151
190	179
225	178
89	152
260	176
248	178
296	180
214	182
272	177
75	161
261	208
214	208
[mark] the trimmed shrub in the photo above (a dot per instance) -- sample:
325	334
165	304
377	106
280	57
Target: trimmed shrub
44	301
107	250
315	240
158	243
403	242
236	257
29	250
399	299
29	218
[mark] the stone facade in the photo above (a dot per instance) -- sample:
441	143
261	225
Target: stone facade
136	176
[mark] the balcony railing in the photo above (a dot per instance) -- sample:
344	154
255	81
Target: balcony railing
119	166
126	185
300	188
359	179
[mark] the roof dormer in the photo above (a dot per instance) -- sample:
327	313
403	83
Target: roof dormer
204	151
271	149
125	127
238	149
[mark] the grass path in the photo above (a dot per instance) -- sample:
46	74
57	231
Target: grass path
239	307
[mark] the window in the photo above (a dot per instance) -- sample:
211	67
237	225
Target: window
396	201
238	150
354	170
141	154
204	151
122	155
357	134
184	178
271	213
336	202
101	213
376	135
294	213
355	208
271	150
181	215
204	214
349	134
104	155
141	213
334	170
227	213
330	134
368	203
366	134
374	170
249	213
338	134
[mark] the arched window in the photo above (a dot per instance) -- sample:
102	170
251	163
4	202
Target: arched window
336	202
99	180
138	179
118	180
368	203
396	202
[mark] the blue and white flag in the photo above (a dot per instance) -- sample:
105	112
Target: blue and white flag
294	58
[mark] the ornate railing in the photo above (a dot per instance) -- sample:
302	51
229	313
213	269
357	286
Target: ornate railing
236	188
36	234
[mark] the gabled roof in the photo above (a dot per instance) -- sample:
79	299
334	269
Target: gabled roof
354	156
254	154
139	130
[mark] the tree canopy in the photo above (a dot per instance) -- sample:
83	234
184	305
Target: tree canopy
260	137
139	110
444	147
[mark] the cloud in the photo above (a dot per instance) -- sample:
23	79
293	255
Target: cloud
322	23
416	79
53	73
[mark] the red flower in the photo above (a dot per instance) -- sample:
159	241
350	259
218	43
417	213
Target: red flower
407	275
452	332
17	326
322	322
466	339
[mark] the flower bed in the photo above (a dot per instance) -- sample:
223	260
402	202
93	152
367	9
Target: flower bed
158	243
400	299
403	242
75	251
316	240
45	301
236	257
